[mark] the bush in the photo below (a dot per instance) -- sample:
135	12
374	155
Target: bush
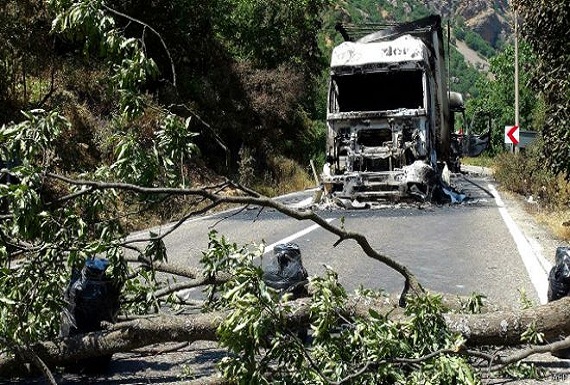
526	174
284	175
459	33
512	173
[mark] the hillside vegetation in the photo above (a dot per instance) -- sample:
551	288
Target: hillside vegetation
240	85
244	74
245	81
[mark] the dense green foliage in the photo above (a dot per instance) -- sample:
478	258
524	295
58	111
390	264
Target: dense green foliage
498	98
125	91
252	72
125	87
132	93
25	56
545	26
543	172
372	11
120	93
248	70
472	39
464	77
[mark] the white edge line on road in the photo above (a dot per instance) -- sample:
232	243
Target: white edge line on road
292	237
160	229
536	265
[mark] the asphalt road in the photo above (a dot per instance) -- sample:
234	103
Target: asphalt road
461	248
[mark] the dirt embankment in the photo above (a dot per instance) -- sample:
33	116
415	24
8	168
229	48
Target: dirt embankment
471	56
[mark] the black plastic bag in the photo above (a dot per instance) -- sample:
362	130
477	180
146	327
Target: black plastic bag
92	298
559	277
286	272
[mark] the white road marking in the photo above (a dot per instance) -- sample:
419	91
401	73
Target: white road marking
536	265
184	294
161	229
311	190
292	237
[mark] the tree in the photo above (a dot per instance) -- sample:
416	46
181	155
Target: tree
497	95
25	57
54	219
276	46
543	25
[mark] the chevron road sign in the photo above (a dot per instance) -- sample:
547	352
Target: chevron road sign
512	134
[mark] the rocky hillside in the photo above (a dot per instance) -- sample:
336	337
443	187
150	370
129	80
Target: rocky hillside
489	18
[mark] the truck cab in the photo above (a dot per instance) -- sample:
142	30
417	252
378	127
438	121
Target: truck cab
389	119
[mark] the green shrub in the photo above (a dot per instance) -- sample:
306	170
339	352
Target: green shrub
477	43
511	172
526	174
284	175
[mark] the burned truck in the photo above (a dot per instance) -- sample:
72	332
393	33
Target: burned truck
390	115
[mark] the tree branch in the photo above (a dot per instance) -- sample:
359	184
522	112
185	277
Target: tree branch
125	336
172	68
188	285
176	225
30	355
373	365
501	362
70	196
169	268
411	282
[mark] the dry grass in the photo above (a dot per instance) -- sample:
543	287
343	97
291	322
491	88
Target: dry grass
558	222
525	175
480	161
141	213
284	176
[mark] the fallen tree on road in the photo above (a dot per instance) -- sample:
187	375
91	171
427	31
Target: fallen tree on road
501	328
51	223
532	328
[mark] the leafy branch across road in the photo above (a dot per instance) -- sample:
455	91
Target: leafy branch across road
260	327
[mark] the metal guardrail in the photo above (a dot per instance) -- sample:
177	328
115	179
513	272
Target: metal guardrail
526	138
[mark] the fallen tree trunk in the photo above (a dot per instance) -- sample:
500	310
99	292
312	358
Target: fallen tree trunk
121	337
506	327
495	328
500	328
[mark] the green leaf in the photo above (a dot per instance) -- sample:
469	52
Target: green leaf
7	301
374	314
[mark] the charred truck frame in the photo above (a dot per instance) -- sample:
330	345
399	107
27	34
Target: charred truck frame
390	115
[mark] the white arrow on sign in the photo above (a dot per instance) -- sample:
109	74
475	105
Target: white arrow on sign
512	134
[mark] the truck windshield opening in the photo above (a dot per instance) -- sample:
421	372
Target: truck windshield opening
378	91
